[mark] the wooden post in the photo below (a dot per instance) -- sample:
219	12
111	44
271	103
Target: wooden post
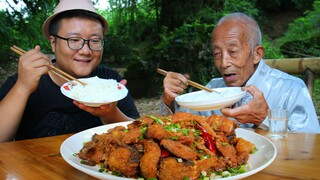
309	80
295	65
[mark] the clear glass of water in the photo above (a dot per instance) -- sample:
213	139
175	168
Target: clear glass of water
278	123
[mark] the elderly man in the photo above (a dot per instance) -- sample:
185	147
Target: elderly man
238	52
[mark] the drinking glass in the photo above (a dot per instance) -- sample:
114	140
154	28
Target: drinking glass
278	123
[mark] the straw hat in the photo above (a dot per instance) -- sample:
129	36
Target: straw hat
65	5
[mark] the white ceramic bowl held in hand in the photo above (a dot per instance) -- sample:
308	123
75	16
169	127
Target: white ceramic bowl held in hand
97	92
205	101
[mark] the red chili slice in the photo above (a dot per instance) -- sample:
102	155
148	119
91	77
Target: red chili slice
207	139
164	153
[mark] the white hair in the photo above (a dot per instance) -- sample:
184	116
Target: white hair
254	37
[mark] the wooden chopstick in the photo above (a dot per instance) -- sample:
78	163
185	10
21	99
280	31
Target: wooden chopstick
192	83
53	69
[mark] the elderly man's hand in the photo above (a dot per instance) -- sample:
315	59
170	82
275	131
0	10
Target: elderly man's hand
253	112
173	84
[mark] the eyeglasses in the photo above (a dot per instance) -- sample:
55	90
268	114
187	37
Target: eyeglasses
77	43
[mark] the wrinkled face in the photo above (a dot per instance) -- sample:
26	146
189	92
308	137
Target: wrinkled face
231	53
78	63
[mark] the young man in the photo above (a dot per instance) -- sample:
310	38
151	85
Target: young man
238	52
31	102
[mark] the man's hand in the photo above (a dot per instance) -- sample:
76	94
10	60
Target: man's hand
173	84
32	65
253	112
104	110
108	113
98	111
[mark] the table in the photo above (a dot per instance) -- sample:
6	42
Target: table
298	158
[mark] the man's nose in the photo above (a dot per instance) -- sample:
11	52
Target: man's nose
85	49
225	61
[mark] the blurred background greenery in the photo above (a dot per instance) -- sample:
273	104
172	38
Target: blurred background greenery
173	35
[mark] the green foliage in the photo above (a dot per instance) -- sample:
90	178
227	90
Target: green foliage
303	36
316	95
270	51
5	33
246	6
275	5
23	28
174	35
186	50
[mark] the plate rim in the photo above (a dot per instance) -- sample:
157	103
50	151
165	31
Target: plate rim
98	129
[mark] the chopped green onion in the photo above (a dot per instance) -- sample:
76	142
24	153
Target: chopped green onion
196	134
224	143
101	165
226	174
237	170
174	138
185	131
255	149
157	119
166	118
143	129
116	173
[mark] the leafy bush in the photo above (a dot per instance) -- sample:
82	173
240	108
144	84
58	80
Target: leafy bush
270	51
303	36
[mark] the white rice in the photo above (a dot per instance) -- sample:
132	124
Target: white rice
204	95
96	90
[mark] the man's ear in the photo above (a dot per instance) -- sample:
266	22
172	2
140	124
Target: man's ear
258	54
52	43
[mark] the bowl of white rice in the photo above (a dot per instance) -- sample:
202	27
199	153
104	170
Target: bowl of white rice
97	92
204	101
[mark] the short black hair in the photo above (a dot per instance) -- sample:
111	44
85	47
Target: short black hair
56	22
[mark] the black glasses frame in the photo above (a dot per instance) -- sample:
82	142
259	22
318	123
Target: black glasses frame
83	42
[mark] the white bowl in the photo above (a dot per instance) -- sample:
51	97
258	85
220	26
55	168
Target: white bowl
97	92
204	101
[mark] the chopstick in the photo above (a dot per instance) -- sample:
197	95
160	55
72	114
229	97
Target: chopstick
53	69
192	83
